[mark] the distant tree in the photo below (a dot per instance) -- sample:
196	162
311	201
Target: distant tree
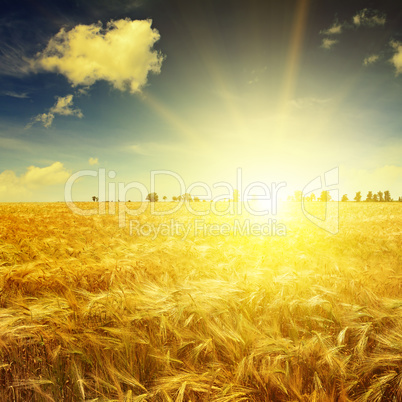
298	196
186	197
345	198
164	198
375	197
400	199
95	199
358	197
369	197
152	197
387	196
311	197
380	196
174	198
325	196
196	199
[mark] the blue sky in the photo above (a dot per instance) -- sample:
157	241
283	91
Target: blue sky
283	90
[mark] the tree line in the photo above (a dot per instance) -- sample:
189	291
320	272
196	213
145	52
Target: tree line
298	195
154	197
325	197
376	197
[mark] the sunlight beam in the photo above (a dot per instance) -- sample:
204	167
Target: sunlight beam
293	61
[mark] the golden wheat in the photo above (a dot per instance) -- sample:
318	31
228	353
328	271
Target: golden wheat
89	311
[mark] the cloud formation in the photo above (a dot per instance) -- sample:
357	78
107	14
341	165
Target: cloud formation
18	188
121	54
47	176
396	60
63	107
11	188
365	17
328	43
23	95
371	59
335	29
369	18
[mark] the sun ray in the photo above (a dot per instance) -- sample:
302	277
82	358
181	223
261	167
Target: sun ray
173	119
209	49
293	61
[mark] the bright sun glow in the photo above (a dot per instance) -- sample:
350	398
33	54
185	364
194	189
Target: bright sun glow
198	201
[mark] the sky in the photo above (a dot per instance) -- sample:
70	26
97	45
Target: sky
208	90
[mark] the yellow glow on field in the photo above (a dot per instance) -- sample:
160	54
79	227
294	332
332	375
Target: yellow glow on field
144	305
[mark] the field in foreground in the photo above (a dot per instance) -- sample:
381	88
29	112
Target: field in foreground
90	311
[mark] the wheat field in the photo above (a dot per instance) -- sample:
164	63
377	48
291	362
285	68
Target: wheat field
90	311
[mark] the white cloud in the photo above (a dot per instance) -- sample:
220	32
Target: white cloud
368	18
93	161
47	176
63	107
121	54
23	95
45	118
371	59
364	17
335	29
11	188
397	57
327	43
18	188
